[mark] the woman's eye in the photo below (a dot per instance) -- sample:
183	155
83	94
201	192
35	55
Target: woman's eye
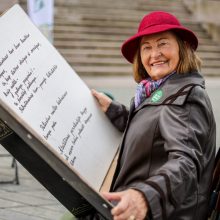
162	44
146	48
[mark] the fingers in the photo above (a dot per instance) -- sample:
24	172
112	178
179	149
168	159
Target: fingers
123	209
120	211
131	204
104	101
112	196
95	93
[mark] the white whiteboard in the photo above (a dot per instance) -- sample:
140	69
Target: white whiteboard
46	94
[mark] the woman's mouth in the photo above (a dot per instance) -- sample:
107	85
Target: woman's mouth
158	63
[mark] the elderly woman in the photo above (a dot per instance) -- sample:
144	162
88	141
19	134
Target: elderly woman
167	152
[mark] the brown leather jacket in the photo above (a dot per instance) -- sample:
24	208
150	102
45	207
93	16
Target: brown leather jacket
168	148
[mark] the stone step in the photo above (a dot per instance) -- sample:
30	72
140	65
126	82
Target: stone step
111	61
103	70
113	29
213	48
95	61
211	63
114	21
125	32
87	14
111	3
74	36
5	5
90	52
111	53
79	21
136	11
101	43
201	49
211	71
87	44
78	36
124	70
115	56
209	55
120	3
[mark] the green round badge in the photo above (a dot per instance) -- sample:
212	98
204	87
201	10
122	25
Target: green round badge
157	96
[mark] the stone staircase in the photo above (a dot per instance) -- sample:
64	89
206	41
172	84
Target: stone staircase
89	33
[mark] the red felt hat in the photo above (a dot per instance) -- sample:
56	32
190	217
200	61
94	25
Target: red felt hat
153	23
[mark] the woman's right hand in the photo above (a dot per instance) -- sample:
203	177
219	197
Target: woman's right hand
103	100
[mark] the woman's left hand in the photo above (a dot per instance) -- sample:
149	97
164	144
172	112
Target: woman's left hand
131	205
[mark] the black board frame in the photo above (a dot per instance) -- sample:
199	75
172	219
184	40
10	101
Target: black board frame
52	172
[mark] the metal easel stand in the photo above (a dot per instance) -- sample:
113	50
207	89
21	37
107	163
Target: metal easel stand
15	166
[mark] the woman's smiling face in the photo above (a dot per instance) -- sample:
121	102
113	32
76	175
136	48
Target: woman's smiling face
159	54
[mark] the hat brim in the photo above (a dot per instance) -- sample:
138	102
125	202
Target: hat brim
131	45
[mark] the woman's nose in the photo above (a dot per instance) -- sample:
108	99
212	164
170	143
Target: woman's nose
155	52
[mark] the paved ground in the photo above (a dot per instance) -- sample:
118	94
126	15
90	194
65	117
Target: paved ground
29	200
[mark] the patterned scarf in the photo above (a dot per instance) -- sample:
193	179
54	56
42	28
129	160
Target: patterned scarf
146	87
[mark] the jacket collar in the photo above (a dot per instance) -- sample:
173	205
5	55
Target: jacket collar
174	90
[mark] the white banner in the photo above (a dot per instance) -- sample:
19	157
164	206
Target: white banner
41	13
